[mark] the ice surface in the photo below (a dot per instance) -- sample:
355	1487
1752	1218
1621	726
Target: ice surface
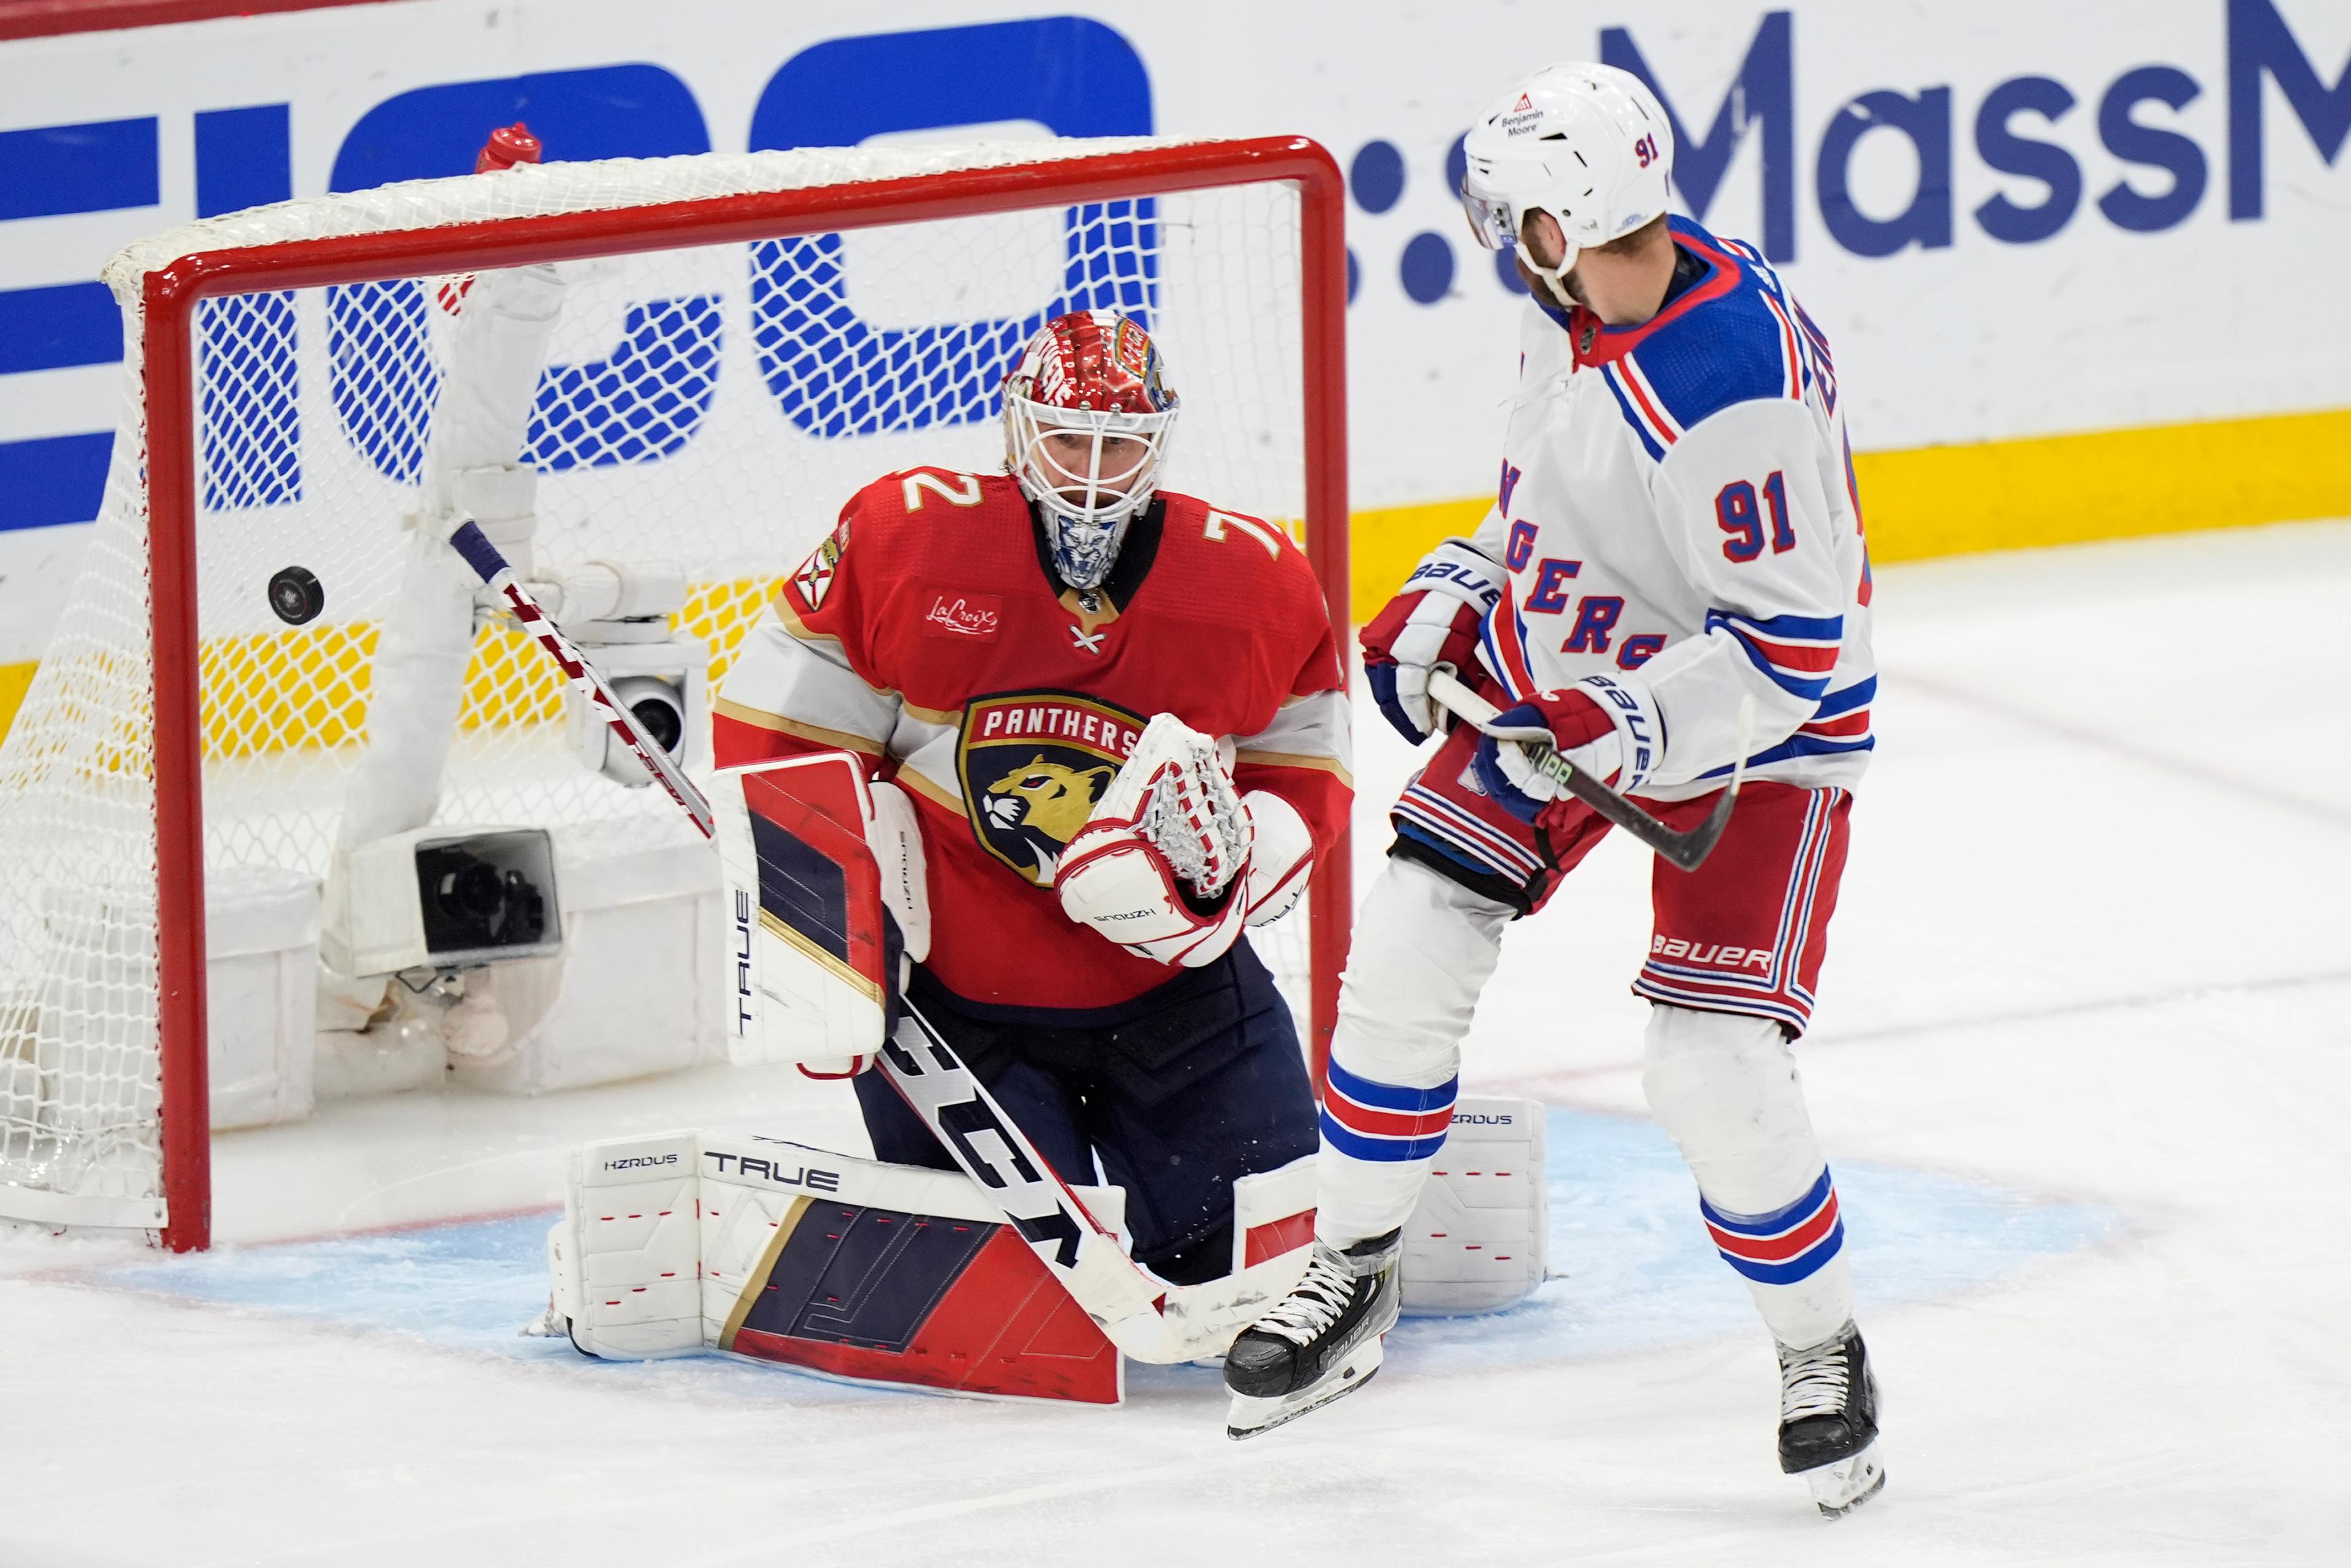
2083	1062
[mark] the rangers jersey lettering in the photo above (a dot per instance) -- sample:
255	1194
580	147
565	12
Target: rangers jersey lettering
1678	501
929	634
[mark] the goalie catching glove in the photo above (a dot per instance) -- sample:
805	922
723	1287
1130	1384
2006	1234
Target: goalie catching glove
1173	862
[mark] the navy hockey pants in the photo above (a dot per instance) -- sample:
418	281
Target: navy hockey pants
1176	1094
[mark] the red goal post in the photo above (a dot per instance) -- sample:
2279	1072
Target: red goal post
171	293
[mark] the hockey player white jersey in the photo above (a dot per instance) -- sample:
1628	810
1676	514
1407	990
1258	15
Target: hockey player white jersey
1677	501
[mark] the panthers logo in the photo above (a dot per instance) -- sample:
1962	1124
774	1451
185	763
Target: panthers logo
1033	765
1043	805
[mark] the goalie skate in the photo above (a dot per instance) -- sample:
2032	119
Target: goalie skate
1828	1422
1321	1341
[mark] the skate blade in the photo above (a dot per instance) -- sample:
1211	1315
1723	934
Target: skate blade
1249	1417
1840	1488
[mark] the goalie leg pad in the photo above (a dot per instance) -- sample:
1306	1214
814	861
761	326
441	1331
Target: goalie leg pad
1480	1238
878	1273
625	1262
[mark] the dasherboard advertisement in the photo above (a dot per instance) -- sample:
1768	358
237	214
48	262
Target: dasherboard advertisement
2016	222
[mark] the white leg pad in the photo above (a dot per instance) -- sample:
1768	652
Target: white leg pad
625	1260
1480	1238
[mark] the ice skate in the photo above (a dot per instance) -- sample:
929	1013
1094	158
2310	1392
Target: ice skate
1828	1421
1321	1341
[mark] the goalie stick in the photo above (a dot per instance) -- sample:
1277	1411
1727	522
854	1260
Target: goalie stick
1687	850
1146	1319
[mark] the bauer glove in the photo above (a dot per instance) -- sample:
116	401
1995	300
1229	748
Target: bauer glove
1606	726
1432	621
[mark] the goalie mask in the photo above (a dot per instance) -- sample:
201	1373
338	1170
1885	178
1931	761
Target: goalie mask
1086	417
1589	144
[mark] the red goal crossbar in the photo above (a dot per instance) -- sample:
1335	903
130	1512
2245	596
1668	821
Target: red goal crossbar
172	292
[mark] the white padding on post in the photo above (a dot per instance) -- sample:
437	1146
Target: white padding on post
626	1260
1478	1239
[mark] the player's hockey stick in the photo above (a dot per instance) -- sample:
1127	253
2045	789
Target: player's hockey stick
1145	1318
1689	851
486	559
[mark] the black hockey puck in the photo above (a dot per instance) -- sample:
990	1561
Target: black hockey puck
295	595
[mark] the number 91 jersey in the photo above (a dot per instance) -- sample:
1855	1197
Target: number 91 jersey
929	635
1678	501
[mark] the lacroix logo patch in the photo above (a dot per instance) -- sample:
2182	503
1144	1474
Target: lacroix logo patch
953	614
1033	764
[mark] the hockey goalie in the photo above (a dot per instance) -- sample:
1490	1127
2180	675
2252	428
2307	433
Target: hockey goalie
1115	717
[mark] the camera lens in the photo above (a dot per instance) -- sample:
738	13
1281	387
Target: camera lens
661	722
473	891
481	894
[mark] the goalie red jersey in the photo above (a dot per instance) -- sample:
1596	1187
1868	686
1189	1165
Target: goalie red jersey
931	634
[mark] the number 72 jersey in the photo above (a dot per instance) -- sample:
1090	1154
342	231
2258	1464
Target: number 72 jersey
1677	500
929	635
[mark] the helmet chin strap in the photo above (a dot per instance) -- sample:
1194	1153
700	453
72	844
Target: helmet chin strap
1553	278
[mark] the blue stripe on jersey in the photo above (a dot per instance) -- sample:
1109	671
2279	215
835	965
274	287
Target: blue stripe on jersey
1632	415
1725	351
1793	682
1859	695
1796	628
1797	746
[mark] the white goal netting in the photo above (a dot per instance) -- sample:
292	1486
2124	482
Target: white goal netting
710	407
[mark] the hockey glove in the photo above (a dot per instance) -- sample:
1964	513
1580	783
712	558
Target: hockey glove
1433	621
1606	726
1166	865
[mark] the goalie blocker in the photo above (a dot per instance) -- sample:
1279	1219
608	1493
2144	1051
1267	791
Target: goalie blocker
826	891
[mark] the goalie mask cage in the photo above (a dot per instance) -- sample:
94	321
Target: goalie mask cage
742	341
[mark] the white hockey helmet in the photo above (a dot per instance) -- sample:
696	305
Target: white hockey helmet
1589	144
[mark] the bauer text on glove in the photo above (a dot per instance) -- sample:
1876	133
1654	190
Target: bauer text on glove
1605	726
1432	621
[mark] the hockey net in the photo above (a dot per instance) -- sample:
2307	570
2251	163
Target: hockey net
743	340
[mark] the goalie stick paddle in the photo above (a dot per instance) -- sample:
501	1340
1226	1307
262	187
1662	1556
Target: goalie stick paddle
1687	850
1145	1318
485	558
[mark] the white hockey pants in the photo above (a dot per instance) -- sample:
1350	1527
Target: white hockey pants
1724	1085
